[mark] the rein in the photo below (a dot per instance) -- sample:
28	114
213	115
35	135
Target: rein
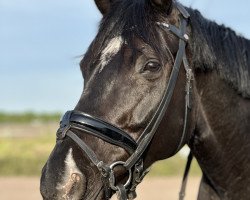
75	120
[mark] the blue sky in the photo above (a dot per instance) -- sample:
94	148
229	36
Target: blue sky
41	41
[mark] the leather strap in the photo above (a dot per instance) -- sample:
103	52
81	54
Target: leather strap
149	132
89	152
121	192
182	10
185	177
98	128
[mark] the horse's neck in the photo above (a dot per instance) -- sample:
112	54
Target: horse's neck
222	136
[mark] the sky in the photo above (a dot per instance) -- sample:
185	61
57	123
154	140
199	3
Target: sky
42	41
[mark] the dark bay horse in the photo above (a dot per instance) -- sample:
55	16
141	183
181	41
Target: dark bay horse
157	76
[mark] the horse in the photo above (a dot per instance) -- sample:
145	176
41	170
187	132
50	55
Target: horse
157	76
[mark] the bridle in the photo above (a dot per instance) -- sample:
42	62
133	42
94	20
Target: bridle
75	120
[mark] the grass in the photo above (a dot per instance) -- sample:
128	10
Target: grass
174	166
28	117
25	156
21	156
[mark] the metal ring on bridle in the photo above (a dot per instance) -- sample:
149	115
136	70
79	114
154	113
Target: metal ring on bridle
112	176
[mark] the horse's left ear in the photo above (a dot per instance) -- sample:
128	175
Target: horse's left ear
165	5
103	5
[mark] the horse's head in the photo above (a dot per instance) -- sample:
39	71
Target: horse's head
129	71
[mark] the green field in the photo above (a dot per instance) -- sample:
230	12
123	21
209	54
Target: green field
26	156
28	117
26	152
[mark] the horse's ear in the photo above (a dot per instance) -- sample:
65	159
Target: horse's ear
103	5
165	5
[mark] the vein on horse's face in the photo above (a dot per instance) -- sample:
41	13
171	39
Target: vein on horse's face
112	48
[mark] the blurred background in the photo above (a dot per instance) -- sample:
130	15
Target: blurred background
41	44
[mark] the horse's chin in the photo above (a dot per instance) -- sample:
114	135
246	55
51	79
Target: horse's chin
94	192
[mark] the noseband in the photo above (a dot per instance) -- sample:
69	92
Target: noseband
75	120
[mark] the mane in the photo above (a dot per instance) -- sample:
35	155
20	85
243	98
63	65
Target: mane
216	47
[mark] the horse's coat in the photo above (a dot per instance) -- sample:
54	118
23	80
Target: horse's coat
133	58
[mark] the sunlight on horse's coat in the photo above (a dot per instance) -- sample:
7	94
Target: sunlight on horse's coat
72	179
109	51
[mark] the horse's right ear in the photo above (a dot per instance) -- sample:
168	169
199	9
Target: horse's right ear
165	5
103	5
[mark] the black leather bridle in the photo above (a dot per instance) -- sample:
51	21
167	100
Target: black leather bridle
75	120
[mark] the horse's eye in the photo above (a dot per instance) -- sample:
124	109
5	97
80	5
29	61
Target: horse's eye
152	66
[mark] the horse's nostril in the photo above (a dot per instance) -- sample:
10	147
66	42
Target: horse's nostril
75	177
75	187
72	186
